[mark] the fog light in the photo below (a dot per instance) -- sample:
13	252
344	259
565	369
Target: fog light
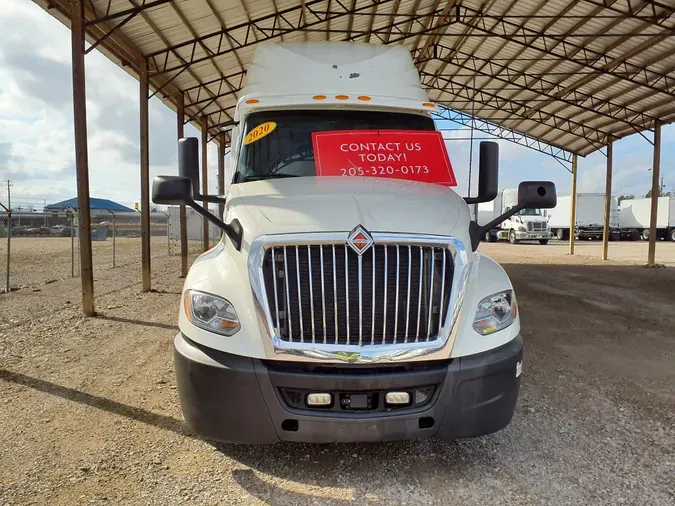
397	398
319	399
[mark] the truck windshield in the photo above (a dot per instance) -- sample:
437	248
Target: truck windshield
286	150
529	212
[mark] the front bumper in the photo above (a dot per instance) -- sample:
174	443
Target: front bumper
242	400
532	236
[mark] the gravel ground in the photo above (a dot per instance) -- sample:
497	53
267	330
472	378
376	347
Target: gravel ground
38	260
624	251
89	411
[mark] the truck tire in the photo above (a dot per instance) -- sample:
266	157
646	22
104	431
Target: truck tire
560	234
645	234
671	235
543	241
512	237
488	237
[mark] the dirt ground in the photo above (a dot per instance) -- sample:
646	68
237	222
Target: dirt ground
634	252
42	259
89	411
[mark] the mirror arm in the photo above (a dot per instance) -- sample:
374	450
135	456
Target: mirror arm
233	231
476	232
214	199
479	200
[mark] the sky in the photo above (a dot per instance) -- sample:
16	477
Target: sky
37	144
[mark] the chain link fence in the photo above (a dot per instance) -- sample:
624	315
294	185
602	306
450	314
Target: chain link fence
195	230
38	248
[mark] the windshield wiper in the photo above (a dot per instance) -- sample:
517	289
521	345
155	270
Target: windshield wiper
246	179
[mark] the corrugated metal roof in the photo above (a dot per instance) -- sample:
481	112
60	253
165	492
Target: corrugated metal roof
94	204
574	74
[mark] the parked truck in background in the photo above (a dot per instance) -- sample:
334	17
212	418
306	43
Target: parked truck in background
525	225
634	218
344	307
590	217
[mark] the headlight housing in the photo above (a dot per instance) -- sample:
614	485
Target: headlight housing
210	312
495	312
522	228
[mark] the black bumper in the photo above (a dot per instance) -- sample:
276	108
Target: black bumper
242	400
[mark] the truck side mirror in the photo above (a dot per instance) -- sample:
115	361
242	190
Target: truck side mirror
172	190
188	162
537	195
488	173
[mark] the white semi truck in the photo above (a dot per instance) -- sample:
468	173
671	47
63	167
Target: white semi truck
635	215
343	307
526	225
589	218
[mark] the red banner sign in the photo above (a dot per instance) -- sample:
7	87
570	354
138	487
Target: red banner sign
396	154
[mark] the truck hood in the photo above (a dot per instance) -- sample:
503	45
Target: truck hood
335	204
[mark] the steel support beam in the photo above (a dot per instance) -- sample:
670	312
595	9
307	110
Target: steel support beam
221	172
180	126
569	51
539	84
274	25
517	108
562	156
573	209
205	179
608	199
656	193
145	175
632	12
81	155
127	12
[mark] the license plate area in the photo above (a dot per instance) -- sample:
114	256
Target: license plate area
355	401
360	401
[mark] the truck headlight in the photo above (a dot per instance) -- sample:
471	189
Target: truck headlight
521	228
211	313
495	312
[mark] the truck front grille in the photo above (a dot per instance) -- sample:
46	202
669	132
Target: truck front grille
329	294
536	226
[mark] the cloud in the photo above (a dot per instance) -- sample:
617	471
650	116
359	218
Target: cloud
36	125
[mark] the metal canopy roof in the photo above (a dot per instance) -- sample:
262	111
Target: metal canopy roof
574	74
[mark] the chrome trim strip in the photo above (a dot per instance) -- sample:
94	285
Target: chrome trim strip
288	298
360	267
398	275
335	294
323	296
346	290
311	291
372	323
439	348
419	296
407	307
440	315
386	267
276	297
432	261
297	277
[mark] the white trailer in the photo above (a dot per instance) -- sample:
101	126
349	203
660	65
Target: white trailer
526	225
589	218
635	214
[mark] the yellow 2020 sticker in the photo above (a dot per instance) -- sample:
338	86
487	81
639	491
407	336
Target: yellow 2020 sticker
259	132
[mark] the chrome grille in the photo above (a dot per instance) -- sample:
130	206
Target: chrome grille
329	294
536	225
